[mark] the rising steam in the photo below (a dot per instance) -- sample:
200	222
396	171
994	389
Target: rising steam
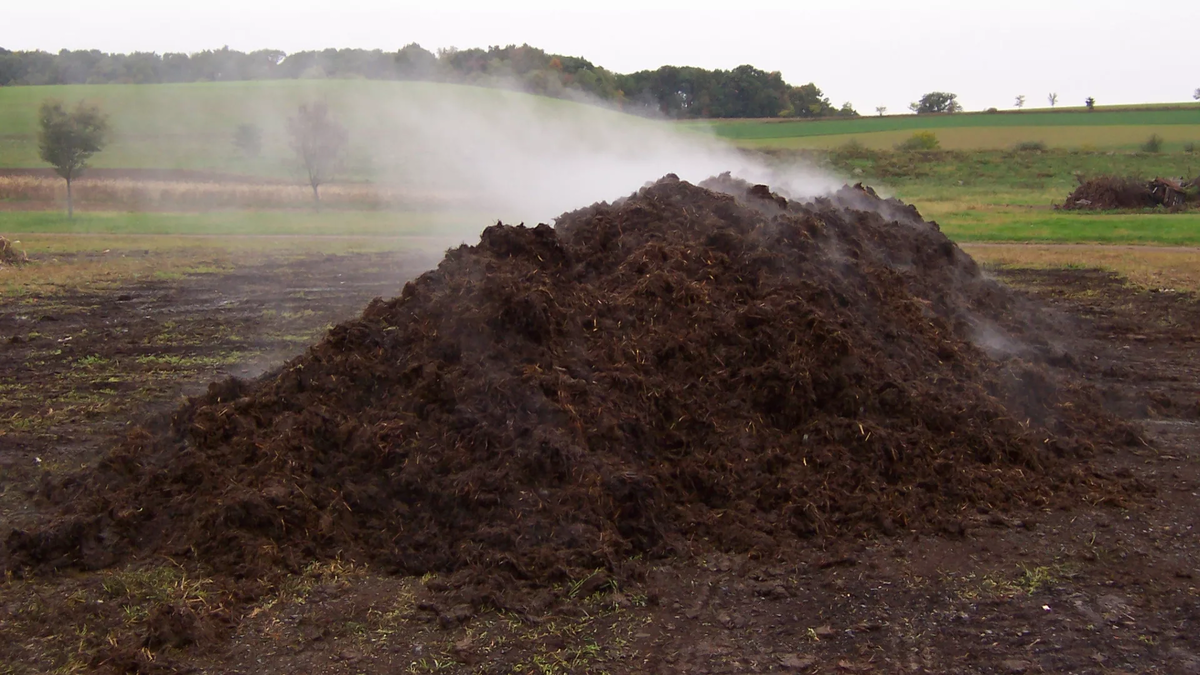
498	152
522	157
535	159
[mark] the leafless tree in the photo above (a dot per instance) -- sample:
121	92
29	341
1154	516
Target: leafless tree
1020	102
320	143
883	108
1053	98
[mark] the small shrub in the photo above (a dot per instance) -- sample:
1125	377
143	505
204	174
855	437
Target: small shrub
1030	146
991	110
1189	147
247	138
852	149
1153	144
922	140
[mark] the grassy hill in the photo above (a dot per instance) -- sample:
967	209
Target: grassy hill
522	156
1115	128
399	126
191	126
505	154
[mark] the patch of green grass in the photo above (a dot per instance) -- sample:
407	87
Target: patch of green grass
248	223
1129	138
1188	115
92	361
1034	579
21	423
1063	227
1030	580
139	590
944	172
180	362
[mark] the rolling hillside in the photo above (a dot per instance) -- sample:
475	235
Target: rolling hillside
1117	128
191	126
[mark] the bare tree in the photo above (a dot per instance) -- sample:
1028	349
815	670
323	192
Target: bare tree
1196	95
883	108
1053	98
1090	103
320	143
67	140
1020	102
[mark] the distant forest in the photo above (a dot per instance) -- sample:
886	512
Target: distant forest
676	92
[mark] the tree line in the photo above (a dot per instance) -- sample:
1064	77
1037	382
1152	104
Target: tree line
677	92
942	102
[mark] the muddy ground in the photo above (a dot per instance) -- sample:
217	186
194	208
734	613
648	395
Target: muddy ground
79	365
1091	589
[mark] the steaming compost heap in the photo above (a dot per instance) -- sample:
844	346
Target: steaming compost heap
681	370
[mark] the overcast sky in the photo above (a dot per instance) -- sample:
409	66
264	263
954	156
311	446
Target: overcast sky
868	52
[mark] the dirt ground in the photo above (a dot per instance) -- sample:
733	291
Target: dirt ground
1091	589
80	364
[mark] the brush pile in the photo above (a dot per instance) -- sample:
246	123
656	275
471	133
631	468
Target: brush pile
10	256
1110	193
687	369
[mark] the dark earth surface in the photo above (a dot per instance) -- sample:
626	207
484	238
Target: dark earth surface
683	372
1090	588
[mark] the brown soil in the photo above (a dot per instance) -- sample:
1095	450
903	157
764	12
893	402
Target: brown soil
81	363
1089	589
681	373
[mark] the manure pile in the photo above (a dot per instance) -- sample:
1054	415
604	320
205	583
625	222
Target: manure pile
1109	193
687	369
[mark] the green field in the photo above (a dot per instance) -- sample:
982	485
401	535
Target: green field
1024	226
1008	196
459	225
396	127
407	132
1103	129
972	220
999	176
